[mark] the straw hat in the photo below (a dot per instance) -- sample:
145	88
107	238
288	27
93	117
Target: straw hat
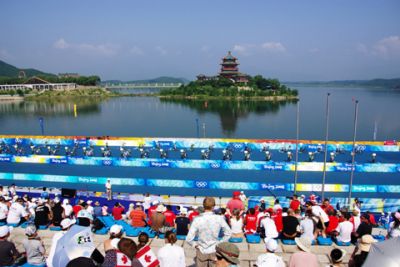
304	243
228	251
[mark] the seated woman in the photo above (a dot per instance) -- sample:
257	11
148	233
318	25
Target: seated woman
236	223
308	225
250	221
171	254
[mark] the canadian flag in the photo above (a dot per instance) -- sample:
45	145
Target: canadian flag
122	260
147	257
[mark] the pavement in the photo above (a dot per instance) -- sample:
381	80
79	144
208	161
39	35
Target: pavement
248	252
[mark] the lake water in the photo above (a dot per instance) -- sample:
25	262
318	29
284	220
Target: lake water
150	116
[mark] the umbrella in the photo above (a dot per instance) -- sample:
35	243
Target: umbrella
77	242
385	254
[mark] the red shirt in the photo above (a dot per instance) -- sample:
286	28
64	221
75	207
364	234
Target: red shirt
150	212
327	208
117	213
333	224
372	219
251	223
235	203
278	221
193	214
76	209
170	217
295	204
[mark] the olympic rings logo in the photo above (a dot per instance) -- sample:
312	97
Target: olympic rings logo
107	162
215	165
201	184
238	145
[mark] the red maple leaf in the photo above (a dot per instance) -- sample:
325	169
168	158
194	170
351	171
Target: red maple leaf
124	259
147	258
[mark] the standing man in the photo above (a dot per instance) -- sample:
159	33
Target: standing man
207	227
235	203
108	190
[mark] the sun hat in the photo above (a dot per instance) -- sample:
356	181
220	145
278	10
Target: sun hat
304	243
228	251
155	202
115	229
366	241
4	230
271	245
30	230
160	208
67	223
337	255
85	214
183	211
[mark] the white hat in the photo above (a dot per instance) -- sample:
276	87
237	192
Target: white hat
304	243
67	223
30	230
160	208
56	200
89	202
4	230
183	211
116	229
155	202
194	207
85	214
65	201
271	245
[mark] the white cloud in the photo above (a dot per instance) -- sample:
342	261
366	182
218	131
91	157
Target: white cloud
137	51
244	49
389	46
4	54
161	50
274	47
85	48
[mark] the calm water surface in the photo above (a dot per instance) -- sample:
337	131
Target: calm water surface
150	116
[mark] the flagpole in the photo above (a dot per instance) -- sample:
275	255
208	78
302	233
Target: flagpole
353	153
326	145
297	144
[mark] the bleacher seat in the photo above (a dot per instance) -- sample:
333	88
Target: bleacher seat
343	244
13	224
161	236
324	241
255	239
236	240
43	227
55	228
288	242
102	231
181	237
132	232
379	238
31	265
2	223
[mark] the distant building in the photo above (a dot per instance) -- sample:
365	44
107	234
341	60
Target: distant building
38	84
68	75
229	70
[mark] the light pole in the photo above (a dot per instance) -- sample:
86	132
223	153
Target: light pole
326	145
297	144
353	152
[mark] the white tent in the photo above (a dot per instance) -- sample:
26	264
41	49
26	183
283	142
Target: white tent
384	254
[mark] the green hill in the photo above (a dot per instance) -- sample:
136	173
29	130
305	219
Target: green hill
163	79
7	70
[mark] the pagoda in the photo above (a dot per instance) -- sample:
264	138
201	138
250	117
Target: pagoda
229	70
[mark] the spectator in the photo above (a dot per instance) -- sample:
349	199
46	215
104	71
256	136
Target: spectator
65	226
115	236
128	212
365	228
44	194
12	189
195	212
77	208
124	255
158	220
104	210
146	202
323	219
235	203
372	219
67	208
152	210
58	212
143	239
333	222
42	214
17	213
270	259
326	206
97	210
336	256
269	227
307	226
34	247
182	223
207	227
138	217
108	189
85	218
171	255
3	210
236	224
294	203
355	219
357	260
344	229
227	254
394	227
250	221
117	211
89	207
243	197
81	261
8	252
303	258
169	216
277	205
290	226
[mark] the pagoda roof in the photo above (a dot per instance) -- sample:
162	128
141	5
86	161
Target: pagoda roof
229	56
229	63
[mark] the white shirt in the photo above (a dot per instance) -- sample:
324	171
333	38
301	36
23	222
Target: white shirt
270	260
67	209
16	212
57	236
3	211
277	207
269	227
108	185
307	227
90	209
236	225
319	212
171	256
146	203
243	198
344	229
393	232
357	222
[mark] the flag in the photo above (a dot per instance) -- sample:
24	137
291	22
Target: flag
147	257
122	260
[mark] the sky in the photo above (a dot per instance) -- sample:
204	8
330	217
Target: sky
127	40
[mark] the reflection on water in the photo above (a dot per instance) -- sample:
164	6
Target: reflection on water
229	111
50	107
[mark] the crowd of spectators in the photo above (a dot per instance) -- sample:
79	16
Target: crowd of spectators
207	228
